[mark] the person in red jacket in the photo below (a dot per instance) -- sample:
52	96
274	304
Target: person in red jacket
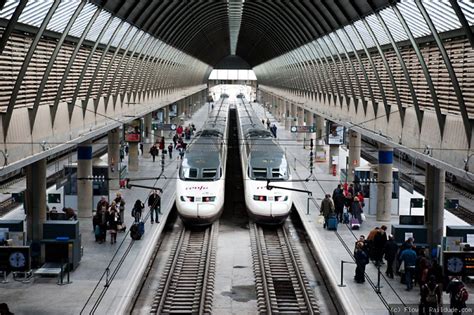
179	131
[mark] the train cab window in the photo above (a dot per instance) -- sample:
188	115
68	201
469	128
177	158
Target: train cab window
259	173
280	173
209	173
189	173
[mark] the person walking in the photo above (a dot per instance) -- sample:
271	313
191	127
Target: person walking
170	150
458	295
390	252
137	210
361	260
154	152
154	202
327	209
408	258
430	297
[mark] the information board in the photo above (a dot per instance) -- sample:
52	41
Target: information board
302	129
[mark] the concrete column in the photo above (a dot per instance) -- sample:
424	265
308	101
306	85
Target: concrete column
148	139
133	156
287	116
319	130
354	154
309	117
35	200
292	113
113	153
85	198
434	204
384	183
333	153
300	117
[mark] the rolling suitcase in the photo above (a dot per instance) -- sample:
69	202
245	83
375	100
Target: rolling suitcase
332	224
345	218
355	225
137	230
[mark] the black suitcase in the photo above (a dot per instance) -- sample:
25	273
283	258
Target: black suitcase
136	232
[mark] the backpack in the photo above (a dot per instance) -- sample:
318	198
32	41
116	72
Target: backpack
431	298
462	295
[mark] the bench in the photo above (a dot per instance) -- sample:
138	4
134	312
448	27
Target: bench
53	269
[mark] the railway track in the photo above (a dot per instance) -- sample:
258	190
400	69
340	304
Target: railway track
187	285
281	284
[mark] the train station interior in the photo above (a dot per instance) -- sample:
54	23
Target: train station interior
236	157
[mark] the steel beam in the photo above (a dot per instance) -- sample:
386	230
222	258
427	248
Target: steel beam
452	74
464	23
24	67
424	67
71	62
32	113
11	24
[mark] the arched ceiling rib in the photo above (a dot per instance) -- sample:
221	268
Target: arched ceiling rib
268	28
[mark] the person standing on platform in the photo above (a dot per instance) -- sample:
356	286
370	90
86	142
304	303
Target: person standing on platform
338	199
175	140
408	258
170	150
154	152
380	239
112	222
154	202
137	210
161	144
430	297
327	209
179	131
390	251
357	210
273	130
141	148
120	202
361	260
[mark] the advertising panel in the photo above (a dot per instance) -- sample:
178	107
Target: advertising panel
132	131
335	133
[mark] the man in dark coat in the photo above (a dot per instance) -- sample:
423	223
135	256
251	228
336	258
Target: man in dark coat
379	244
154	202
339	200
390	251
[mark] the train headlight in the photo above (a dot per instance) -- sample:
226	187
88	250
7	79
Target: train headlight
259	198
209	199
281	198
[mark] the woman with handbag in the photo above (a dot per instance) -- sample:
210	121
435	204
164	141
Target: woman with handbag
120	202
113	222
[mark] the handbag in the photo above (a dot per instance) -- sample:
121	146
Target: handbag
320	219
401	269
362	216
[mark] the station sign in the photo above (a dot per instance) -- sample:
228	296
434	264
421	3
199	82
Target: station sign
303	129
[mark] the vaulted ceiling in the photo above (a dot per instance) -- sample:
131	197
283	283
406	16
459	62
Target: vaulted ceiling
267	28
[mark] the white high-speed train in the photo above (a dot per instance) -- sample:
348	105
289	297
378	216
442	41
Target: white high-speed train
201	179
262	160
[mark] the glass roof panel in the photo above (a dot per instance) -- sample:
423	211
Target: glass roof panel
467	7
62	16
35	12
98	25
128	39
393	25
443	16
81	22
121	33
326	42
343	40
352	37
414	19
111	30
378	30
336	42
8	9
364	33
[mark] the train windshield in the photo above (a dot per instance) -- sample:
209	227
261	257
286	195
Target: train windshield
273	173
199	174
